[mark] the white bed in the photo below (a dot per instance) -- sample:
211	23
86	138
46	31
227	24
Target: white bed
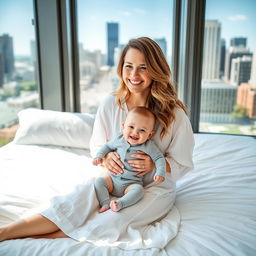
215	201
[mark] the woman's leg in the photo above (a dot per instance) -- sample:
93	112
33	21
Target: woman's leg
31	226
57	234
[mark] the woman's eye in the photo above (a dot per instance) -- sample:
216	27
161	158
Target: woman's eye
130	126
128	66
143	68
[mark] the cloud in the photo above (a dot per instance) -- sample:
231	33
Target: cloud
238	17
132	12
125	13
140	11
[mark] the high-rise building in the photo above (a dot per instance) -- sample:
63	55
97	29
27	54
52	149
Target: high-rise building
253	70
217	101
33	51
1	70
240	70
238	41
6	51
237	49
211	56
112	41
246	97
163	45
222	57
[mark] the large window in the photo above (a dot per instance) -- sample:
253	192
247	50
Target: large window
228	89
104	27
18	80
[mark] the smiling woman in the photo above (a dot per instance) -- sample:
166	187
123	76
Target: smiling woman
99	52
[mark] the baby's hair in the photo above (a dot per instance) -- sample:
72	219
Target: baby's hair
144	111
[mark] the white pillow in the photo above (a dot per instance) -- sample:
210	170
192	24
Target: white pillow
47	127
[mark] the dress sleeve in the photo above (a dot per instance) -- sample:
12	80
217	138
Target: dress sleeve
158	158
180	151
102	124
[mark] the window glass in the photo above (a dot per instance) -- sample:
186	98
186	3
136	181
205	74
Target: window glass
18	81
104	27
228	91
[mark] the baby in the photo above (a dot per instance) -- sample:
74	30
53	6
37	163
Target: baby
137	132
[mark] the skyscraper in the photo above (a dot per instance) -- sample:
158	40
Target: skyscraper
7	59
253	70
211	56
238	41
240	70
163	45
222	57
112	41
1	70
232	53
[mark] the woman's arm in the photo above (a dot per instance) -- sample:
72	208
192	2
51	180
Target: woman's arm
179	153
102	130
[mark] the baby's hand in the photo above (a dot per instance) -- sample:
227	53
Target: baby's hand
97	161
158	179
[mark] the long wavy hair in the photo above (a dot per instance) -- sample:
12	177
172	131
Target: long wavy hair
163	98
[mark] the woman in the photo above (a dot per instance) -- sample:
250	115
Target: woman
145	81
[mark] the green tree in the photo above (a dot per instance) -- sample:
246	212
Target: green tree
239	112
28	86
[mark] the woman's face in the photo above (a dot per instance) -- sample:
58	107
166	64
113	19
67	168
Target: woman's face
135	74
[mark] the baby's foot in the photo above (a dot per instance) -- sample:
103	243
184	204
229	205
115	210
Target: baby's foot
115	206
103	208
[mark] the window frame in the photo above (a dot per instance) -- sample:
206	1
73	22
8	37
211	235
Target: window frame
59	85
57	50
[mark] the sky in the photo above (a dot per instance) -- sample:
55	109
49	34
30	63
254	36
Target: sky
151	18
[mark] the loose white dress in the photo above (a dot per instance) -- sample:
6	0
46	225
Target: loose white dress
141	225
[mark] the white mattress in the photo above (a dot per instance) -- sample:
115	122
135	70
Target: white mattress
216	200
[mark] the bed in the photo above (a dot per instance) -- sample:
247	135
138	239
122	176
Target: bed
214	211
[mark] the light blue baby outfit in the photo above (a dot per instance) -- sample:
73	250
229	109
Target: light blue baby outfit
128	177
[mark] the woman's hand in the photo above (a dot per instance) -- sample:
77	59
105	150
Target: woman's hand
143	164
112	163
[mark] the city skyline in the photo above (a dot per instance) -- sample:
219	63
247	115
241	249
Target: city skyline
236	17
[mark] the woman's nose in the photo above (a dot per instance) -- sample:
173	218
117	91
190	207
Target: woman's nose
134	72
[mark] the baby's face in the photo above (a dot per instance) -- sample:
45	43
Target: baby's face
137	128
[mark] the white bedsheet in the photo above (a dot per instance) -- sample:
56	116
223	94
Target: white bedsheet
216	200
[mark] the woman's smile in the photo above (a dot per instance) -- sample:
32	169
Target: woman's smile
134	82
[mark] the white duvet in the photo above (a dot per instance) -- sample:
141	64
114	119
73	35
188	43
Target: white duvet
214	212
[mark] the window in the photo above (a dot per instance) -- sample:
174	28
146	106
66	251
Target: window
18	76
228	88
104	27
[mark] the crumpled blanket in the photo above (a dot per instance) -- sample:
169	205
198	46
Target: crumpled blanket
151	223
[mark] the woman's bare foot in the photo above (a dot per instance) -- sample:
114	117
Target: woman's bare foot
114	206
103	209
